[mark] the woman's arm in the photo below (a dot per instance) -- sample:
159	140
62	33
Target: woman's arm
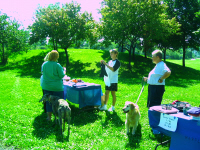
64	70
60	71
111	68
166	75
114	68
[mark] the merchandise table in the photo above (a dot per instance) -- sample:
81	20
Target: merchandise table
84	94
186	135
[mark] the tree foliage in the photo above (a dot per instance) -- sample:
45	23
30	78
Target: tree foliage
92	32
128	21
185	12
12	39
64	26
157	25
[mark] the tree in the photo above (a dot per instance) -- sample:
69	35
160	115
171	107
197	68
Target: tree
92	32
4	34
185	13
121	23
157	26
11	38
64	26
46	25
125	22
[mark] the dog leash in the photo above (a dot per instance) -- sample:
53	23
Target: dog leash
143	84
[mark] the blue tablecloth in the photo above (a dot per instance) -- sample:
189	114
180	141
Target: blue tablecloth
187	134
84	94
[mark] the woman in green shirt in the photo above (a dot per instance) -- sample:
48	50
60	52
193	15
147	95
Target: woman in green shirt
51	79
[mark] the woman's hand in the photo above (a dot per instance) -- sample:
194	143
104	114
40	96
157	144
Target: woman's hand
102	61
160	80
64	70
145	79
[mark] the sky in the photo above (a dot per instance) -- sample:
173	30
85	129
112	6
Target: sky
23	10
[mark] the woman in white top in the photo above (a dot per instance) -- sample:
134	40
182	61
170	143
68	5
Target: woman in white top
156	79
111	78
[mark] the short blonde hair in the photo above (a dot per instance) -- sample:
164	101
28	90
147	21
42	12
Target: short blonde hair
46	58
157	53
53	55
114	51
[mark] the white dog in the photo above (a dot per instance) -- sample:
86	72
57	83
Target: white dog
132	116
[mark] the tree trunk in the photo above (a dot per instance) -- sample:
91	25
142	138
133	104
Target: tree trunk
56	45
129	65
164	52
122	50
122	47
145	48
67	57
183	55
53	44
133	53
184	52
3	58
145	52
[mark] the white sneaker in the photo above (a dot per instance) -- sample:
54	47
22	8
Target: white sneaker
103	108
111	108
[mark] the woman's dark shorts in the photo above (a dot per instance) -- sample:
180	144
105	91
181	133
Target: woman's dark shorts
54	93
113	87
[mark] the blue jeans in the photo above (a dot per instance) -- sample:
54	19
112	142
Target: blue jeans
54	93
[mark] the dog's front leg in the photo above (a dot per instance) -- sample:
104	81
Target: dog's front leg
61	124
134	128
133	131
55	118
60	120
127	127
68	125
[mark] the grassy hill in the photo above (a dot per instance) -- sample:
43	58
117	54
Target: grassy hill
22	121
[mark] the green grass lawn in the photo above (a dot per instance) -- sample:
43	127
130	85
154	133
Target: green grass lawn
23	123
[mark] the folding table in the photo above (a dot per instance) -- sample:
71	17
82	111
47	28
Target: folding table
186	135
84	94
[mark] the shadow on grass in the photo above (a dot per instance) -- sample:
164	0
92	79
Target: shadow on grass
81	118
31	67
160	139
180	76
44	129
113	118
134	140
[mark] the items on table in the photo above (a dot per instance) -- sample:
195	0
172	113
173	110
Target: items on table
66	78
181	105
194	111
76	80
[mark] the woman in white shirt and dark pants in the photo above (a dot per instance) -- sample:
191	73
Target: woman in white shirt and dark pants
156	79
